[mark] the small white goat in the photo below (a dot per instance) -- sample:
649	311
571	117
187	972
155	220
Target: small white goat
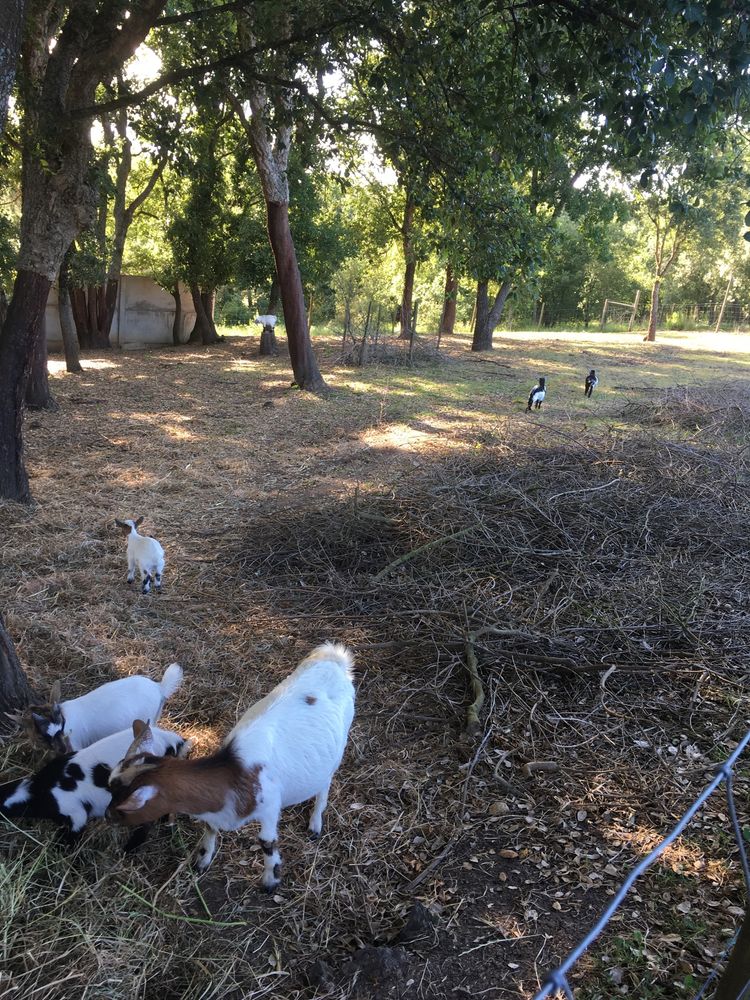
72	790
144	553
285	749
73	725
269	320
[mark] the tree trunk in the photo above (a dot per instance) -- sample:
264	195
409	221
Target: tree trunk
38	395
209	305
268	348
410	269
736	976
274	298
305	367
482	311
448	319
653	316
488	318
204	331
15	692
3	306
177	322
22	326
12	13
67	324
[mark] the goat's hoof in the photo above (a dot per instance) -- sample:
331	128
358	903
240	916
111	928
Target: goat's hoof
313	834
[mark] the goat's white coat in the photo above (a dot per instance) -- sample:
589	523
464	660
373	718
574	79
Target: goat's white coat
113	707
146	555
296	736
267	320
109	751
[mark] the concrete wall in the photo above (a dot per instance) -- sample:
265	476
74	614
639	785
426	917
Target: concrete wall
144	315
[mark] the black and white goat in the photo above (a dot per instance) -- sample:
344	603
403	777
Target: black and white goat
590	384
110	708
144	554
537	394
284	750
73	789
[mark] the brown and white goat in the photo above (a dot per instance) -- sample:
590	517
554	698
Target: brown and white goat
284	750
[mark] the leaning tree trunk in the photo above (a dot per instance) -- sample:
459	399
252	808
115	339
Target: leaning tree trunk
67	323
733	983
274	298
38	395
177	322
448	319
15	692
204	331
654	314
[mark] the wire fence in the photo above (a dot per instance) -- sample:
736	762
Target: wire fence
558	982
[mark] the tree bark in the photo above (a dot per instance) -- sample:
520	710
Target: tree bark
654	314
274	298
177	322
268	347
407	232
15	691
448	319
17	346
67	323
38	395
737	973
488	318
12	14
204	331
304	365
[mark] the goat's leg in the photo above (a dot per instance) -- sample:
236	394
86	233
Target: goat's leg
157	580
271	856
145	581
315	826
131	569
206	848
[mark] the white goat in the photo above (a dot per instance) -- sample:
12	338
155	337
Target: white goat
285	749
72	790
73	725
144	553
268	320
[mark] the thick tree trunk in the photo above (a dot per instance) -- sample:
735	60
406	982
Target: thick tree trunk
3	306
177	322
274	298
204	331
305	367
12	13
488	318
654	314
734	981
38	395
15	692
268	347
67	323
409	270
448	319
17	345
209	305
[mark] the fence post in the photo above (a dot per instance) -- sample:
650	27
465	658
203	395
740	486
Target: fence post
635	310
541	315
604	313
735	981
723	304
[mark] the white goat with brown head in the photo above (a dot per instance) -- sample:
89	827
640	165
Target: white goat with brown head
284	750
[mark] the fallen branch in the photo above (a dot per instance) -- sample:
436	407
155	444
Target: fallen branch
422	548
475	685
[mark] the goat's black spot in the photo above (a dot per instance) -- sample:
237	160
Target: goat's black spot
269	846
88	807
100	775
172	751
73	773
277	871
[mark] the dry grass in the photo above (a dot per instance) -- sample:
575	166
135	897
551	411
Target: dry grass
593	559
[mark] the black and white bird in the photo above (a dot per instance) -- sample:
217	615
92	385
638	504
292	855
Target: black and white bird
591	383
536	396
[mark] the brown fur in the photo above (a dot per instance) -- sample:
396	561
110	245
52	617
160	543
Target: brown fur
190	786
310	699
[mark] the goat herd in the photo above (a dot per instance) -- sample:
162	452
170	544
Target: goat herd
284	750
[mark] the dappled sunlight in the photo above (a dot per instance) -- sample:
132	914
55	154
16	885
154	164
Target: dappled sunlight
684	857
57	367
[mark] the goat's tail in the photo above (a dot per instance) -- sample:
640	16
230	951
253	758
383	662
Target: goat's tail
15	799
171	680
332	652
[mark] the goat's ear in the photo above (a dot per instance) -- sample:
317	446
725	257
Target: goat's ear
139	727
121	524
55	693
41	722
138	521
144	738
138	799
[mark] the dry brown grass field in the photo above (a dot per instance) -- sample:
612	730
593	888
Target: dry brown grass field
590	558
